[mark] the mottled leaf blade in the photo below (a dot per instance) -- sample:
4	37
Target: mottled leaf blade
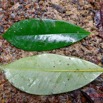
42	35
48	74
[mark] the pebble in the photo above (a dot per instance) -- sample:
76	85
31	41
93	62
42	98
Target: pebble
20	7
12	15
97	18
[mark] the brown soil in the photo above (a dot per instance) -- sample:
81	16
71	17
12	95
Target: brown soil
80	12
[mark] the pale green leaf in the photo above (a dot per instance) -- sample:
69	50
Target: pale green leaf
51	74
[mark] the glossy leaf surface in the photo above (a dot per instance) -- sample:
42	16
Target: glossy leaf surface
40	35
48	74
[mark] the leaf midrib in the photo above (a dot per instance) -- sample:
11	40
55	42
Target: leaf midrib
58	70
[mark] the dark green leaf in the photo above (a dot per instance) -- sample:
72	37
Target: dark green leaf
40	35
50	74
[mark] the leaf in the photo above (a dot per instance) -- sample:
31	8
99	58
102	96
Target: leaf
1	67
40	35
50	74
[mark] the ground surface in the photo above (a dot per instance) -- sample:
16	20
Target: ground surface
79	12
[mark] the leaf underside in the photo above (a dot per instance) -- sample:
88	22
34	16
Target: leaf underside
42	35
48	74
